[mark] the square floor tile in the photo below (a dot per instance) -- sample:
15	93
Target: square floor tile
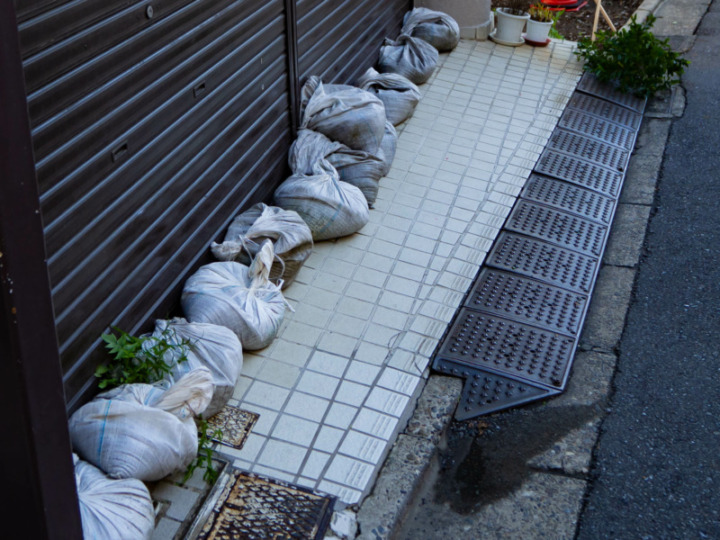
282	456
295	430
306	406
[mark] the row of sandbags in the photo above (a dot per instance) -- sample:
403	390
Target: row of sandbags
346	143
347	138
139	433
147	431
128	435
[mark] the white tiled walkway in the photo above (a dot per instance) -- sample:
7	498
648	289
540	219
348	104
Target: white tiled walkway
339	382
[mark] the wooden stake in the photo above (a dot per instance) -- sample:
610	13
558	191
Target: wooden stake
598	10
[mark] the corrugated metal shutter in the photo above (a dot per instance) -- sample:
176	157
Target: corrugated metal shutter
154	124
338	41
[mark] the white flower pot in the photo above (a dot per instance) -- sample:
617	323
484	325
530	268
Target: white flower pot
537	31
509	27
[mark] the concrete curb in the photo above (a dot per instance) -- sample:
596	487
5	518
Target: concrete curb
412	460
645	9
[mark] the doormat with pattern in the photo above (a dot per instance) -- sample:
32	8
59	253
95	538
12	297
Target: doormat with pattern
235	425
253	507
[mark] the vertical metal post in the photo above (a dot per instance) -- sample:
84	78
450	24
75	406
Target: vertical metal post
35	456
292	56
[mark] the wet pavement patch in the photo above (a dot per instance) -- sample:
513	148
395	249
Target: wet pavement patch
515	337
235	425
489	459
250	506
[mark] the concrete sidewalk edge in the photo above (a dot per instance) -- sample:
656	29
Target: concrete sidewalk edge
412	460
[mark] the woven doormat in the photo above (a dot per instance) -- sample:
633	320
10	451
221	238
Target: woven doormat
252	507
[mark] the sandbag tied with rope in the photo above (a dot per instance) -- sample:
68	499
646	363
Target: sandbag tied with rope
140	430
413	58
437	28
399	95
330	207
238	297
362	169
291	237
208	345
343	113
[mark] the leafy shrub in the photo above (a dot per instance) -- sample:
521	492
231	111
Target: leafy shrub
204	458
633	59
144	359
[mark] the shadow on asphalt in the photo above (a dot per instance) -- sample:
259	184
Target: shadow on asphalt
488	459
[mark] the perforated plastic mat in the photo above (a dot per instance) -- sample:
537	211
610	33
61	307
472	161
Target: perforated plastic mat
590	85
605	110
593	126
581	172
514	338
570	198
589	148
561	228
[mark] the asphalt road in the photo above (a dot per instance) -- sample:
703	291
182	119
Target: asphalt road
657	468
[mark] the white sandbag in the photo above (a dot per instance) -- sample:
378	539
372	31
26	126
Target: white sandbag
211	346
308	152
290	235
330	207
362	169
226	294
437	28
410	57
344	114
142	431
111	508
399	95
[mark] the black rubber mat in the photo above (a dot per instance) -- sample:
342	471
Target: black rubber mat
605	110
527	300
543	261
580	171
514	339
561	228
590	148
484	392
509	348
570	198
582	122
590	85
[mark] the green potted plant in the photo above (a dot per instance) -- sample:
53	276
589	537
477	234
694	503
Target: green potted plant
510	22
539	25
